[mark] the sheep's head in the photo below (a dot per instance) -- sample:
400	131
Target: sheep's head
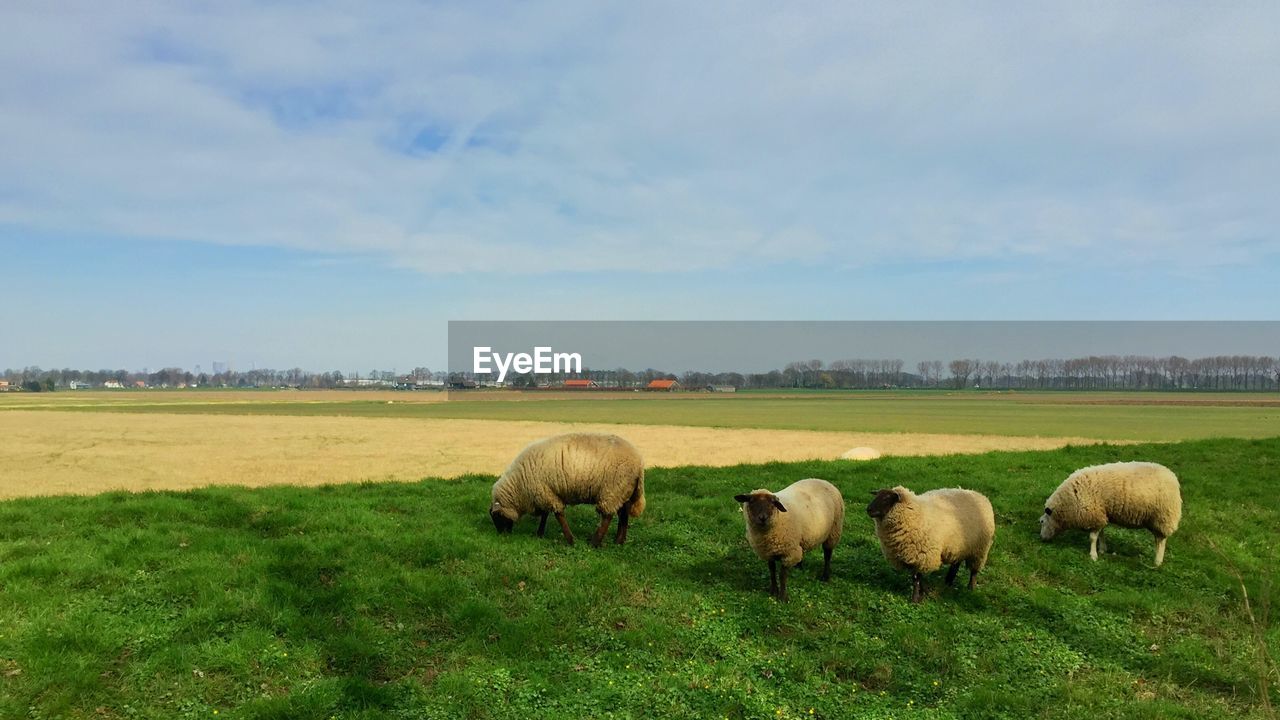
882	503
760	507
1049	525
504	518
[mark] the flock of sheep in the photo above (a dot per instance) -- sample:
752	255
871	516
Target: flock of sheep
917	533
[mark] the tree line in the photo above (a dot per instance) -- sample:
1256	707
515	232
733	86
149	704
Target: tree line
1095	372
37	379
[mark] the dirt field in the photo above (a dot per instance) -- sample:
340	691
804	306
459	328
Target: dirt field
45	453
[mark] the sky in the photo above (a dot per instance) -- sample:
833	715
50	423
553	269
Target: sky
327	185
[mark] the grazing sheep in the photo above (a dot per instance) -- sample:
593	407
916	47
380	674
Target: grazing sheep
1128	494
783	526
572	469
921	533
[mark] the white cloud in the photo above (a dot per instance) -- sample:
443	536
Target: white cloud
585	137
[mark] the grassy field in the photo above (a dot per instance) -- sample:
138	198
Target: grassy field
398	600
1120	416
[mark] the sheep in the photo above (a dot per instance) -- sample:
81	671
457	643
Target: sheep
572	469
921	533
1128	494
783	526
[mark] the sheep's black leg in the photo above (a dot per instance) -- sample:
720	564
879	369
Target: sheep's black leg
973	578
782	591
624	519
564	526
917	592
542	526
600	531
826	563
773	577
951	574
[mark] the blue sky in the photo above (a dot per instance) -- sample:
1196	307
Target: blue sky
327	185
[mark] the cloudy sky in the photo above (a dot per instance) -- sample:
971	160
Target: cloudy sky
326	185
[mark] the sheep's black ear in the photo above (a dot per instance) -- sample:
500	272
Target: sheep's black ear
1048	511
742	498
778	504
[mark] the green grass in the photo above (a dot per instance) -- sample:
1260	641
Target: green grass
400	601
1045	414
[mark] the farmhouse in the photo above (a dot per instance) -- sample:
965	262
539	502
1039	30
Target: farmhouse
112	384
4	385
666	385
721	388
580	384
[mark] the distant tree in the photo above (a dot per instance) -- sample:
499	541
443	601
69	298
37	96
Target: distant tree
960	372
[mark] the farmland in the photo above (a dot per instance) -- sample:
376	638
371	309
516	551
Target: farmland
398	600
1120	416
326	555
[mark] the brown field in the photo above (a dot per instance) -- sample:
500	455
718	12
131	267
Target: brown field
45	453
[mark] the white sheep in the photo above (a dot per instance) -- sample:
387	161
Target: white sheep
783	526
1128	494
572	469
921	533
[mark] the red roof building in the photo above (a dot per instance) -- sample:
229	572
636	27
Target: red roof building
580	384
662	385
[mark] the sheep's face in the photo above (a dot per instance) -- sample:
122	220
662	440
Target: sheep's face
504	519
1049	525
882	503
760	507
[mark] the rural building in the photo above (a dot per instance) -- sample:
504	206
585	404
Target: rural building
4	385
139	384
112	384
462	384
580	384
721	388
79	385
665	385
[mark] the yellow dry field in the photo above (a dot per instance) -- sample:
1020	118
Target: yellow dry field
46	453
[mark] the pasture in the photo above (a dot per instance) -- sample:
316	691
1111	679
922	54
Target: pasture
324	577
398	600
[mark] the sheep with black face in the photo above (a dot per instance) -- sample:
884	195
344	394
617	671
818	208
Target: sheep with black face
1129	494
783	526
921	533
572	469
